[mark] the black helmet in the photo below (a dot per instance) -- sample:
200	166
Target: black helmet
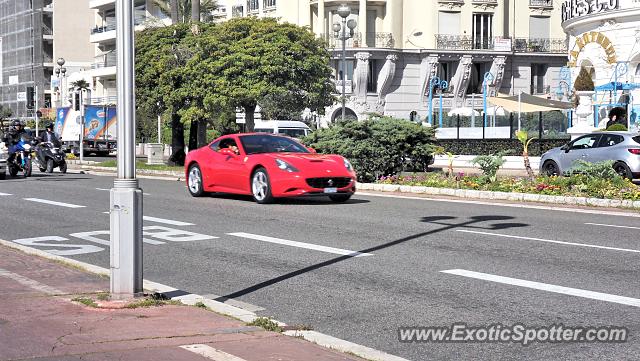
16	123
49	126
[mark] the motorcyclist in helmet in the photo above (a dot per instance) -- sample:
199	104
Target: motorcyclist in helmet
12	137
49	136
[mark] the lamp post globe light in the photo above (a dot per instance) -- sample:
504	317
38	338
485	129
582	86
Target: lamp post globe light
340	31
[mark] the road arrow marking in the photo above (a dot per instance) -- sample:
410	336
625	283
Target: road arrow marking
628	301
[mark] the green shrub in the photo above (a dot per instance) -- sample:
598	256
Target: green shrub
377	147
617	128
489	164
601	170
493	146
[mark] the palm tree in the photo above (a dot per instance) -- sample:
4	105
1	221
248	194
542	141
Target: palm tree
80	84
523	137
184	9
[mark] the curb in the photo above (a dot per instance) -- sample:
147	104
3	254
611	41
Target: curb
222	308
505	196
138	171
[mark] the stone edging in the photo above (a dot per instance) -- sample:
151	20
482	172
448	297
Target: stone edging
507	196
138	171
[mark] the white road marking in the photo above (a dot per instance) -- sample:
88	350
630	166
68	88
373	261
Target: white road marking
257	237
89	236
54	203
30	283
511	205
551	241
611	225
4	194
166	221
43	242
547	287
109	190
211	353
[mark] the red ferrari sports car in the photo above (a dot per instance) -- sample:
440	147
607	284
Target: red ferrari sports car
267	167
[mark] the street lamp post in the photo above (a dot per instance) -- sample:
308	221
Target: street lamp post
61	73
340	30
126	196
488	79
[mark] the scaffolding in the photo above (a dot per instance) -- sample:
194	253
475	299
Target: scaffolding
22	27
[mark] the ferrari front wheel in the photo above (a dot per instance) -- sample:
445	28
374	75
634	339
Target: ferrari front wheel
194	181
261	187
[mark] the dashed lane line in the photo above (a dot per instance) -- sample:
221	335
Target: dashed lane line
53	203
551	241
315	247
611	225
627	301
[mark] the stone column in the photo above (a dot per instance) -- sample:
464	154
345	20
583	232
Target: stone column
321	21
362	23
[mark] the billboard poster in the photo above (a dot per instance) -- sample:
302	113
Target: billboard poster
61	118
100	122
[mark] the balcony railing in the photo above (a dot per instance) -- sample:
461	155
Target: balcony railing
106	61
490	2
539	45
463	42
451	2
541	4
373	40
46	30
110	25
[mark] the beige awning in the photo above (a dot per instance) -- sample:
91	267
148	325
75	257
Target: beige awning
528	103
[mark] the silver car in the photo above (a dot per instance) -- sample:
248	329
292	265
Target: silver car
623	148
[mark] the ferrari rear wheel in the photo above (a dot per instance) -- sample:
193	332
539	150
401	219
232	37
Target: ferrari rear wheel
261	187
194	181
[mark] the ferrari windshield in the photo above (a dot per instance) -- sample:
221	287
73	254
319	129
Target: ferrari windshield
263	143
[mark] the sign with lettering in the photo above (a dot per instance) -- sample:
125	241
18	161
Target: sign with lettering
577	8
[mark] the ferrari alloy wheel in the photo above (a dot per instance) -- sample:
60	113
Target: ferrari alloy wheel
261	187
194	181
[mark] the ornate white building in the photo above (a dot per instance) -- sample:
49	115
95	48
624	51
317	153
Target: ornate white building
605	40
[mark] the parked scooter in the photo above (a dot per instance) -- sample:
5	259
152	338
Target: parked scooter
50	156
21	155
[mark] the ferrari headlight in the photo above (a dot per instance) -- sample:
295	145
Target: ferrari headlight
347	164
286	166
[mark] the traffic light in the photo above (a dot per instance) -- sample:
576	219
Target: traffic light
31	97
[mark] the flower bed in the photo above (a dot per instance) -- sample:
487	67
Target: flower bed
575	186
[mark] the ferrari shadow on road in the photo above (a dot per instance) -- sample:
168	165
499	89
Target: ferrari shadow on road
309	200
473	222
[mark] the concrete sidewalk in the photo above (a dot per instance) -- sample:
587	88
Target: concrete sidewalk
40	321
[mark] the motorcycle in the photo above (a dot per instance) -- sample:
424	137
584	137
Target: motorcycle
20	158
50	156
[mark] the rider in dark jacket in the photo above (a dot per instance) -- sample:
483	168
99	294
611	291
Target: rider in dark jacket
49	136
12	137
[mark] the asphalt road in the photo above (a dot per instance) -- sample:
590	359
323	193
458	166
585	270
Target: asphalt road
398	282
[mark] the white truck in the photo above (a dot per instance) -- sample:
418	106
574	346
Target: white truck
99	129
289	128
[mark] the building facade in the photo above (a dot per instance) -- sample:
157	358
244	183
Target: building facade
604	38
26	54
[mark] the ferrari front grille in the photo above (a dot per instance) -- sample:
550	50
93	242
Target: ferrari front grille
335	182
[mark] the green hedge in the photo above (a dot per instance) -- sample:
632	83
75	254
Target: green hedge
493	146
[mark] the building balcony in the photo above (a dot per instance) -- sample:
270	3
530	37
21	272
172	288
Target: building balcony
373	40
482	2
541	4
465	42
107	32
540	45
102	4
451	2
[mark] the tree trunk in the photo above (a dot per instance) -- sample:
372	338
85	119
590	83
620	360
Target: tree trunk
177	141
193	135
173	4
249	111
195	10
202	133
527	164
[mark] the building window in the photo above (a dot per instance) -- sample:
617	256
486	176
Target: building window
237	11
482	31
252	5
269	4
448	23
446	70
538	74
539	27
372	79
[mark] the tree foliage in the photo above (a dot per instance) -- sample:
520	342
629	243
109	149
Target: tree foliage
5	112
184	9
378	147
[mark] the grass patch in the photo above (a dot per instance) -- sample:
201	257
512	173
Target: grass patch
200	305
85	301
103	296
143	165
266	323
149	302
